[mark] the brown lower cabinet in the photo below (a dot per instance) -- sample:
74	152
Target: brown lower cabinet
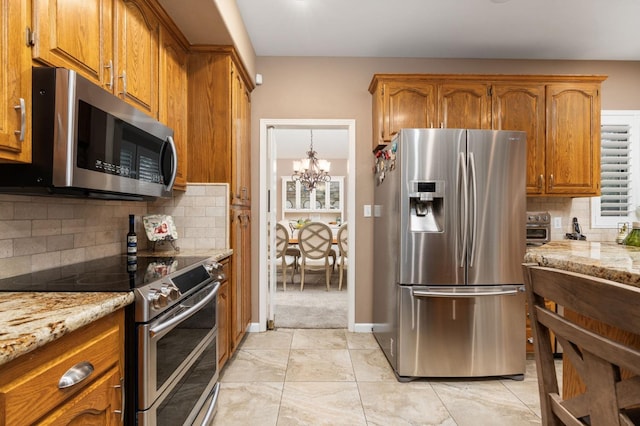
224	313
29	390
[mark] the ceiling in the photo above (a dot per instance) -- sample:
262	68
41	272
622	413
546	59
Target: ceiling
495	29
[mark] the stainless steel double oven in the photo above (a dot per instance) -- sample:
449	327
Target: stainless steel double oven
176	339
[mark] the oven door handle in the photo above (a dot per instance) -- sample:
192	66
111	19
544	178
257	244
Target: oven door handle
189	311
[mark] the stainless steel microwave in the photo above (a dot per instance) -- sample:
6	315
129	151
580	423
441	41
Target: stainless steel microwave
87	142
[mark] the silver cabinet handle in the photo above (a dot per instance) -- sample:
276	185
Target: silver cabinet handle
75	374
124	83
110	67
551	182
23	119
541	181
122	399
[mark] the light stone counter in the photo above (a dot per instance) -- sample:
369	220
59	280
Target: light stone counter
29	320
611	261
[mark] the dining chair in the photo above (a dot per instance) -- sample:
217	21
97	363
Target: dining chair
343	250
314	241
285	257
610	370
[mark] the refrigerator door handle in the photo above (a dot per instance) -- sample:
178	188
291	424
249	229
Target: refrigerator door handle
464	196
474	208
467	292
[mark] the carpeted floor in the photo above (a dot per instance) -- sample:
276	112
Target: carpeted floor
314	307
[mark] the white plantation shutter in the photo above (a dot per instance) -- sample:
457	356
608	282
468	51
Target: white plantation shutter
620	170
617	176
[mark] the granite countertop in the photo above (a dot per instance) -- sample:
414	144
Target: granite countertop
29	320
610	261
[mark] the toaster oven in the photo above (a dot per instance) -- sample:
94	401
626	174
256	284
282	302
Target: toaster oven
538	228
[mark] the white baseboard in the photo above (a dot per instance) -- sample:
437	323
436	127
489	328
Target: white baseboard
254	327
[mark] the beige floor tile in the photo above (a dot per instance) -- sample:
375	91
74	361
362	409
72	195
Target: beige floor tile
272	339
319	339
242	404
398	404
329	403
256	365
370	365
361	341
483	402
326	365
527	389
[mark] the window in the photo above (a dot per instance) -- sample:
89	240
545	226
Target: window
620	170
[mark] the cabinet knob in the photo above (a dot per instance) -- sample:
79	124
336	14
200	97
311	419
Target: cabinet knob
530	340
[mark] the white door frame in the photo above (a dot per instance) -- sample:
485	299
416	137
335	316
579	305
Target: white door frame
265	165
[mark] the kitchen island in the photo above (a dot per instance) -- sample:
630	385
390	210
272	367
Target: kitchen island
610	261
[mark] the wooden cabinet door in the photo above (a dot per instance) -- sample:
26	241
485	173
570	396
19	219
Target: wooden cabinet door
522	107
573	139
407	105
172	107
464	106
99	404
137	59
240	140
240	297
246	269
223	323
15	83
77	35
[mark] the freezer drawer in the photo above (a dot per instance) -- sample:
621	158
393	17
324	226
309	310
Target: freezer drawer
463	331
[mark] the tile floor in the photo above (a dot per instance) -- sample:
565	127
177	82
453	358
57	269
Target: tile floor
334	377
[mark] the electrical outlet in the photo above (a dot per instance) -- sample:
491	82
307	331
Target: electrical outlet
557	222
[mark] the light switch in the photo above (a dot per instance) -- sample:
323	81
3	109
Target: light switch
557	222
367	210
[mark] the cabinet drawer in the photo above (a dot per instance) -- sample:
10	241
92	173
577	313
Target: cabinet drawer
29	384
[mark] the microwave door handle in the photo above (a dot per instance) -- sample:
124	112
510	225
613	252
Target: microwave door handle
174	162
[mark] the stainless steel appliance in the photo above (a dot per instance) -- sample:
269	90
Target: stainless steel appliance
538	228
449	240
171	365
87	142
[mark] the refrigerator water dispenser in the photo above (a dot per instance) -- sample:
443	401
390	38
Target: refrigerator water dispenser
426	207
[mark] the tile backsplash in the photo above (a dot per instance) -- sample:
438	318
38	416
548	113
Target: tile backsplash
42	232
567	209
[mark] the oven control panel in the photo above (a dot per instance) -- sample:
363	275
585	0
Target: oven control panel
538	218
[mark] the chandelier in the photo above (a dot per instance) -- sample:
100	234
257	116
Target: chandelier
310	171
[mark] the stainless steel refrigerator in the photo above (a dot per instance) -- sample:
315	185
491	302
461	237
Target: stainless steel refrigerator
449	236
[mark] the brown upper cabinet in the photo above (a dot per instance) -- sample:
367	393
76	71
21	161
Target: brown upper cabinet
219	122
560	113
173	98
114	43
15	75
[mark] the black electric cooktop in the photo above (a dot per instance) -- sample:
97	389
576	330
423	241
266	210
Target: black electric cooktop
106	274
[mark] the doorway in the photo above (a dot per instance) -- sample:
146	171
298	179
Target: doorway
271	181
